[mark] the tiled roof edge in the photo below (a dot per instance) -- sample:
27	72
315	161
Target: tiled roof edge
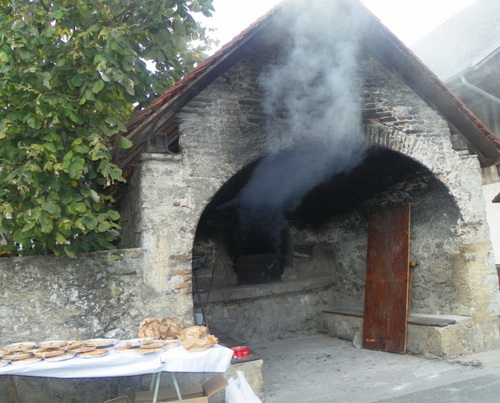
185	82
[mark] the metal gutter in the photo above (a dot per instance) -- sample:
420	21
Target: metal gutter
479	90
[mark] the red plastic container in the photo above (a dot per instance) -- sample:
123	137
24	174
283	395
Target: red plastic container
240	351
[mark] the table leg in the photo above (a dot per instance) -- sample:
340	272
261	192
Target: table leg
176	385
155	382
13	389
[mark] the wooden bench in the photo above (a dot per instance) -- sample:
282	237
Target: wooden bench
413	319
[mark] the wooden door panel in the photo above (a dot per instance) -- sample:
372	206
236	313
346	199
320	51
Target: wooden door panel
387	280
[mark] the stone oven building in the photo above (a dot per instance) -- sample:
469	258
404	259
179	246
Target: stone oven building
196	147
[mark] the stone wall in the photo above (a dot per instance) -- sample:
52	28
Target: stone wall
161	213
100	294
464	337
261	312
433	217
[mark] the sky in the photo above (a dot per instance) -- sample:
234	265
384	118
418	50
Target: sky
410	20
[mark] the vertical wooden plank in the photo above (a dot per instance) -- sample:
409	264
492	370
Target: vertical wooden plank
387	280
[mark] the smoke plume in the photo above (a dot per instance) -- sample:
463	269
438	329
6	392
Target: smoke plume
312	100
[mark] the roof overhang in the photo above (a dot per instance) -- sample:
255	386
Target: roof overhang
396	56
383	44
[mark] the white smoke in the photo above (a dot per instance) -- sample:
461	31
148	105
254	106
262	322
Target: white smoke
312	100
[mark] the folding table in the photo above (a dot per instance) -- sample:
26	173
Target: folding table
117	363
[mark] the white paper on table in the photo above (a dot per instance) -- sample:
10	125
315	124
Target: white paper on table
113	364
214	359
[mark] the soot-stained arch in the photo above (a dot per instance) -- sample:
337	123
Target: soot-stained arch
384	177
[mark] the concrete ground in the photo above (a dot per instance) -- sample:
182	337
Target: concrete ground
323	369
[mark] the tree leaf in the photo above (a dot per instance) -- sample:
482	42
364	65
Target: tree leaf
75	169
51	208
60	239
77	80
4	58
75	118
113	215
98	86
129	86
124	142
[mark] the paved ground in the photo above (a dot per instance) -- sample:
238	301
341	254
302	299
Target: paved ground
322	369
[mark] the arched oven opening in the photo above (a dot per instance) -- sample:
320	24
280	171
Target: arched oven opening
262	247
258	241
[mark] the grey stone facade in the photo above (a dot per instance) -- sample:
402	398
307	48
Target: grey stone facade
223	131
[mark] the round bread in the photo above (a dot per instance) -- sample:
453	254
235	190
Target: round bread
53	344
172	343
149	327
144	351
83	349
74	344
20	346
17	356
49	353
93	353
62	357
126	347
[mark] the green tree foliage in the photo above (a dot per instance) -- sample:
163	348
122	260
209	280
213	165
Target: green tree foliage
71	74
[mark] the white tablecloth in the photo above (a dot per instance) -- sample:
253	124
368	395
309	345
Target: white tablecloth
176	359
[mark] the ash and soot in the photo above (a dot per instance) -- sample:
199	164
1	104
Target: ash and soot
312	104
